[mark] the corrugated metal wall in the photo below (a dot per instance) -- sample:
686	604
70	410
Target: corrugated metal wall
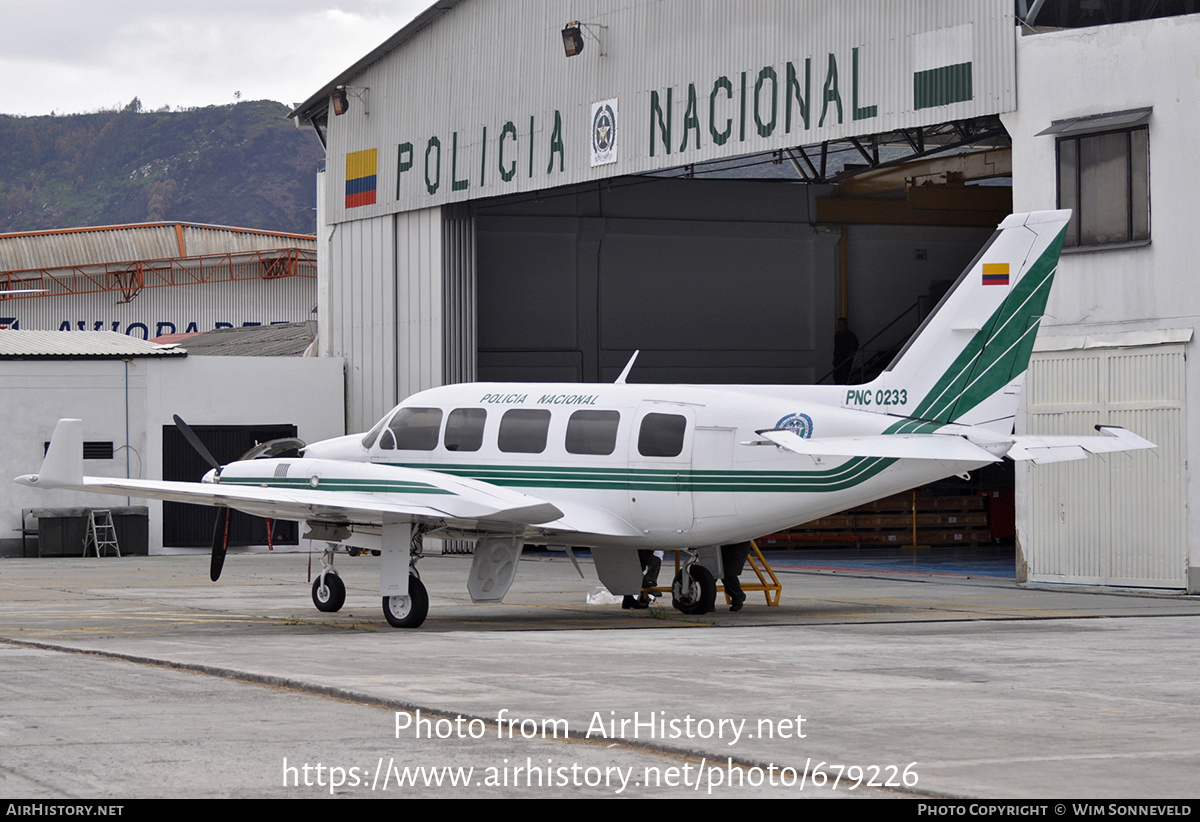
362	315
1120	519
419	300
386	310
460	346
484	102
169	310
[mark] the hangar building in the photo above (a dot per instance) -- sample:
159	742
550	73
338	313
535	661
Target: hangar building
533	190
150	279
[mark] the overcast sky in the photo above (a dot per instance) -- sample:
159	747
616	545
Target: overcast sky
73	56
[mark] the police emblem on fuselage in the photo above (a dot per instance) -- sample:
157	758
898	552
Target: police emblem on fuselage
799	424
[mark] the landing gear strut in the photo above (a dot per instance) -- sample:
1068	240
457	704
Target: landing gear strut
409	611
328	592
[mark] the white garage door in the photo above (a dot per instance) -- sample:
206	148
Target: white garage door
1117	519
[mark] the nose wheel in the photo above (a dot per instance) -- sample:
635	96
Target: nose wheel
409	611
329	592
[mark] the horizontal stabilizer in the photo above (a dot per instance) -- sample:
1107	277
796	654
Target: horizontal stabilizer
900	446
1040	450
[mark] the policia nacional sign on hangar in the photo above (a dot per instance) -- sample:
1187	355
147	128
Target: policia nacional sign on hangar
480	101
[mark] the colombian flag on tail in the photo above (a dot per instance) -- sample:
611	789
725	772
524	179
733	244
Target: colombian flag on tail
995	273
360	178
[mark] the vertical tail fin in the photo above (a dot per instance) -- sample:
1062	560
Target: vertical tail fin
63	464
967	360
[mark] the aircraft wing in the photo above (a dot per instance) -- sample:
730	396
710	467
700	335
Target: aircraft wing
944	447
1038	449
302	504
311	489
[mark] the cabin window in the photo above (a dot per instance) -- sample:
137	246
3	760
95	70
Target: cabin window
523	431
661	435
464	429
593	433
415	429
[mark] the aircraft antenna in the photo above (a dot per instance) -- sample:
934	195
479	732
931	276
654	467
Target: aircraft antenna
628	366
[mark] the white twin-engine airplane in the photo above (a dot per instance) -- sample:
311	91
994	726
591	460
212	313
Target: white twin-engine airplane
621	467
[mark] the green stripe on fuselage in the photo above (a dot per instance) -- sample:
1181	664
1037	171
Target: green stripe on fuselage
847	475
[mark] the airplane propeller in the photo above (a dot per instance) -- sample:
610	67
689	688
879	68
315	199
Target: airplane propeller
197	446
220	538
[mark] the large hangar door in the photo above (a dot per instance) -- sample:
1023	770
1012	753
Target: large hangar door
716	302
1120	519
715	281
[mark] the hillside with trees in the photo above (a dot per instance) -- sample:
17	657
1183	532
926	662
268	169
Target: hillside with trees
239	165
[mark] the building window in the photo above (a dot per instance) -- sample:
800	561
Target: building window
1105	180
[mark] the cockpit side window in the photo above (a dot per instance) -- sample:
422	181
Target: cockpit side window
661	435
369	438
592	433
464	429
523	431
415	429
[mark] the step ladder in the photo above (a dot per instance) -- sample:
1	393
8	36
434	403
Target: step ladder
101	533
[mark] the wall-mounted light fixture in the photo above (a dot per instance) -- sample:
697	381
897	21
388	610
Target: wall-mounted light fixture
572	39
573	34
340	99
341	104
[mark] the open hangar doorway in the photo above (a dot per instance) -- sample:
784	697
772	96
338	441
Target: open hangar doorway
737	273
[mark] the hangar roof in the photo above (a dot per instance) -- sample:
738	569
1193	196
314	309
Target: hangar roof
126	259
107	345
97	245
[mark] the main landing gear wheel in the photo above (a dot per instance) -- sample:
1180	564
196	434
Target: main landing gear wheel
696	594
409	611
329	593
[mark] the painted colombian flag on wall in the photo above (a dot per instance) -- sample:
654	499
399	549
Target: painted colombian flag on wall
360	178
942	67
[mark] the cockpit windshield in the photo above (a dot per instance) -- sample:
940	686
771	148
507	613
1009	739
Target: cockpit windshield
369	438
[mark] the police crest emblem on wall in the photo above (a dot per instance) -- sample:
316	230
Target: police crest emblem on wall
604	132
